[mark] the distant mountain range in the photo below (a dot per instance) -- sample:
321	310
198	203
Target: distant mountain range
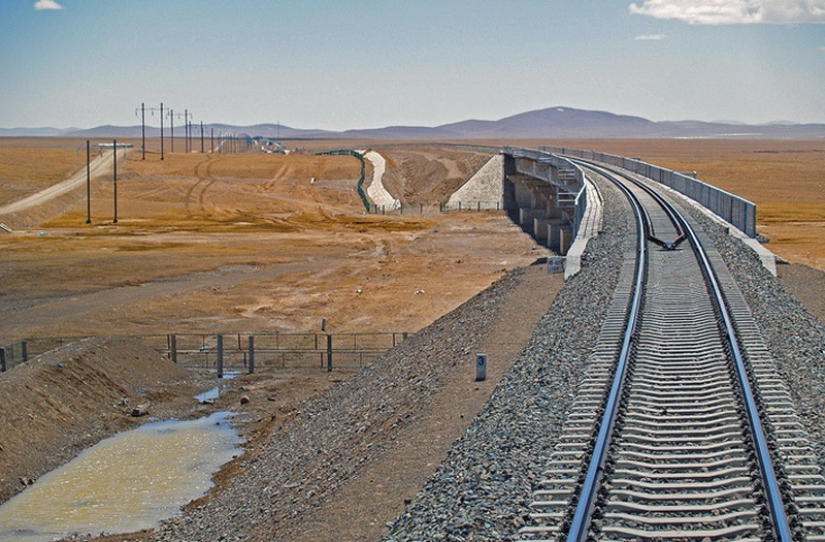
550	123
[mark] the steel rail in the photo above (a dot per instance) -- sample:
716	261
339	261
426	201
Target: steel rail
772	490
581	520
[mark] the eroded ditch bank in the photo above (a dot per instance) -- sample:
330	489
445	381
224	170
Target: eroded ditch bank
62	402
124	483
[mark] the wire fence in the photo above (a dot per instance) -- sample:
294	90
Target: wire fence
239	352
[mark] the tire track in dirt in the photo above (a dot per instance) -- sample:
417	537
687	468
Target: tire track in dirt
203	174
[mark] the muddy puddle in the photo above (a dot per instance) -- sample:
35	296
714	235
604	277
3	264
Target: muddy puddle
125	483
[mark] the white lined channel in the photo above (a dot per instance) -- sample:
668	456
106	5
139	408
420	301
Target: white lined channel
125	483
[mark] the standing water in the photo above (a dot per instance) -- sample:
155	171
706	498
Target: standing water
125	483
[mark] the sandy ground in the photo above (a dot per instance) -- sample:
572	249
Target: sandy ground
244	244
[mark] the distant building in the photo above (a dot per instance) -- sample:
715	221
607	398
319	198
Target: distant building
110	145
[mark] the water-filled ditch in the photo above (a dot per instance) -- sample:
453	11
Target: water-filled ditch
126	483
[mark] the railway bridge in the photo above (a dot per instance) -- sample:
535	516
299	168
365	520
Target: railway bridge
548	194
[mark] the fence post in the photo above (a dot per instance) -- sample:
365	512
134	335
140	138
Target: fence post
173	347
2	360
220	356
251	354
329	353
25	347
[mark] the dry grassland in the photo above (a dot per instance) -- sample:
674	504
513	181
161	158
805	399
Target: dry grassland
246	242
242	243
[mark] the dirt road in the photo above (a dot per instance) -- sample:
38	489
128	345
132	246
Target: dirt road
101	165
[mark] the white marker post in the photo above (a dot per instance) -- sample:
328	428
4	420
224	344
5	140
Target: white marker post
481	367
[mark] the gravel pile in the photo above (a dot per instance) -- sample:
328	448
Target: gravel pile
482	491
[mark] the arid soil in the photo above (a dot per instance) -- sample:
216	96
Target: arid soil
244	243
249	243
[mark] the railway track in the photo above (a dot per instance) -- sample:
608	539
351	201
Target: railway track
681	430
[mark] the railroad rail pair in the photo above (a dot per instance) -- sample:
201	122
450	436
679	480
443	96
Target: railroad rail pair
681	430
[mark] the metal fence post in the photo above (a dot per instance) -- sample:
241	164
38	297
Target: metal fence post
329	353
220	356
2	360
251	354
173	347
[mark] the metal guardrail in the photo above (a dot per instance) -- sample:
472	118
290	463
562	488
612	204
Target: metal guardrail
239	352
730	207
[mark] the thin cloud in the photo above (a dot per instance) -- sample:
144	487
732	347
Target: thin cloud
650	37
717	12
46	4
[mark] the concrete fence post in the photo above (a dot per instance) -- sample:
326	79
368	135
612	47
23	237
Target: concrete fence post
173	348
251	354
329	353
220	356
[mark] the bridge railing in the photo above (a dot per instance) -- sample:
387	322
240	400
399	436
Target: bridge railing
730	207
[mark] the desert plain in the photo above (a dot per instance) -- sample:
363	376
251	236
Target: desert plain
250	242
260	242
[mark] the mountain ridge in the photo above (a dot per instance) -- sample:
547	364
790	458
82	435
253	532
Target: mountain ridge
556	122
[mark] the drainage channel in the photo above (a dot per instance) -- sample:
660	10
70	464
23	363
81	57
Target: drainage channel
125	483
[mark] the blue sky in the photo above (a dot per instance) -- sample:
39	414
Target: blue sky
365	63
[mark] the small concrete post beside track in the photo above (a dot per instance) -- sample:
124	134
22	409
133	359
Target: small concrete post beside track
481	367
555	265
220	356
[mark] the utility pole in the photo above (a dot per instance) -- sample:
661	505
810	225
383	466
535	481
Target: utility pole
172	116
142	130
152	110
171	131
161	130
114	165
88	186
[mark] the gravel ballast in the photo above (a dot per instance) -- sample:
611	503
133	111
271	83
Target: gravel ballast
482	491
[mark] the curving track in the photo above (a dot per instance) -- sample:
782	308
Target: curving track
681	429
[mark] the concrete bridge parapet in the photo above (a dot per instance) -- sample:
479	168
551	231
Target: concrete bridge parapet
552	200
